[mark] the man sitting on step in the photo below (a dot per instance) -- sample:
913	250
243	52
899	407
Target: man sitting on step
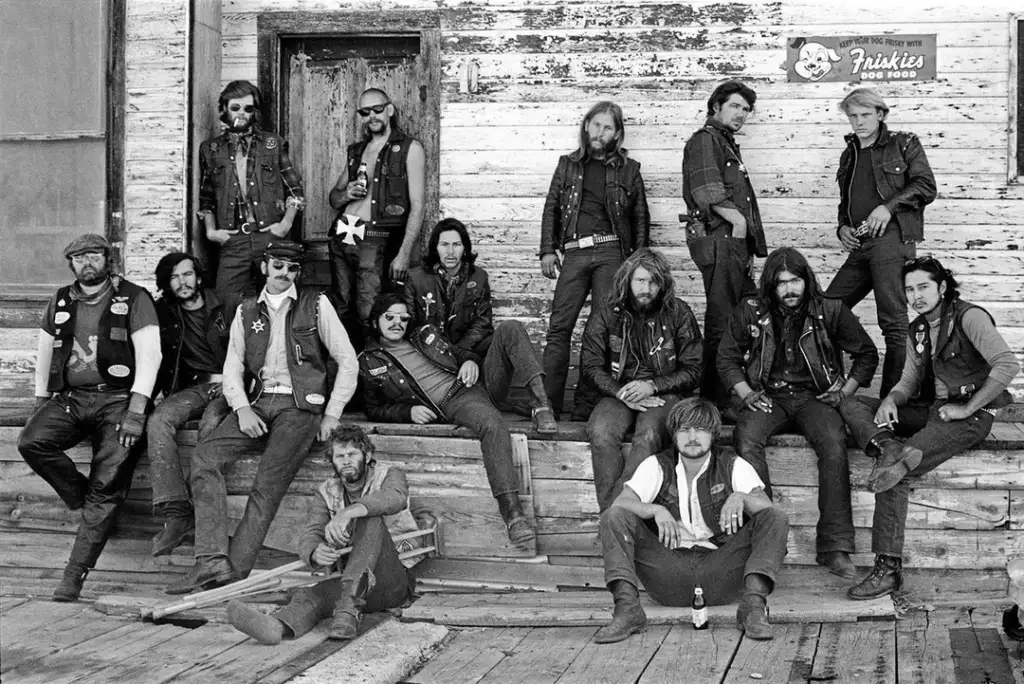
955	376
418	376
782	356
692	516
450	291
360	507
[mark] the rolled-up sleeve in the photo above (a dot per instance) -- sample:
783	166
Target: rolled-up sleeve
334	337
234	362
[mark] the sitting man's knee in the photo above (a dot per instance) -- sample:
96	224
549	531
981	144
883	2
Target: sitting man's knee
617	516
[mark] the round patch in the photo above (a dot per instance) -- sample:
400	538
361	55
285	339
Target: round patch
315	399
119	308
271	143
430	338
119	371
61	303
61	317
398	148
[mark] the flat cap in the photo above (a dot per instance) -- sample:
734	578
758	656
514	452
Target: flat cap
286	250
90	242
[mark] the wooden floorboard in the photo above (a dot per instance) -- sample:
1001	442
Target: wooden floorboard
615	663
923	649
470	656
542	656
863	652
786	658
26	641
703	655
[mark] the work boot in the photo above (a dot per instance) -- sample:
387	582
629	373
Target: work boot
752	617
885	578
264	628
349	609
838	563
207	573
70	587
543	416
628	618
179	523
520	531
893	466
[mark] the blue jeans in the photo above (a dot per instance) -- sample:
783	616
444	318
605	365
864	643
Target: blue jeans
584	271
472	408
165	468
823	426
291	432
510	355
238	268
877	266
65	420
609	424
937	440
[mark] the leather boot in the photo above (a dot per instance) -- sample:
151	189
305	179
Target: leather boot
520	531
207	573
838	563
543	416
628	618
70	587
349	609
885	578
179	523
752	617
264	628
893	466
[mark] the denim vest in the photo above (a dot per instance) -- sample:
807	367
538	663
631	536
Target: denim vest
264	189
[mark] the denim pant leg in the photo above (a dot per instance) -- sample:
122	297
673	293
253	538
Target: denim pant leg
888	255
570	294
369	276
165	471
213	415
824	429
650	434
344	260
47	433
373	549
753	428
238	270
607	258
472	408
759	547
607	428
632	553
859	414
852	283
510	355
290	434
939	442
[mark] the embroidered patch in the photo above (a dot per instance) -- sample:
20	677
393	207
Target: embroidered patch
62	317
396	148
258	326
430	338
470	285
378	371
119	371
61	302
119	334
119	309
718	488
615	342
122	298
271	143
315	399
755	331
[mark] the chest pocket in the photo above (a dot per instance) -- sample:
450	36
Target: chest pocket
733	174
895	171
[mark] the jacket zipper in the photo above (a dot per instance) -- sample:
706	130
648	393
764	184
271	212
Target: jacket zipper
412	381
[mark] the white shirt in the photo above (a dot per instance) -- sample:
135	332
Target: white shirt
647	481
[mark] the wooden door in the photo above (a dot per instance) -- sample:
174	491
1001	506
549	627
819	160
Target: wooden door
321	80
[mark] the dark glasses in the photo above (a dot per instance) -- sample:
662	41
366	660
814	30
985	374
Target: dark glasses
249	109
376	109
390	317
292	268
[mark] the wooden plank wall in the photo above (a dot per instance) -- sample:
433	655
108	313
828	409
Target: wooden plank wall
542	64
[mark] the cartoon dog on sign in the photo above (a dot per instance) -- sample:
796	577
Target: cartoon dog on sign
815	59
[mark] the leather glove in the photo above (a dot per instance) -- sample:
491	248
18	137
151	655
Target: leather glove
133	422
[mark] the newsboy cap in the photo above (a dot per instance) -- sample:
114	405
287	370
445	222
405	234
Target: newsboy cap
89	242
286	250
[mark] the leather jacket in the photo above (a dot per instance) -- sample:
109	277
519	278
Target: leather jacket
625	203
747	349
173	376
903	179
465	316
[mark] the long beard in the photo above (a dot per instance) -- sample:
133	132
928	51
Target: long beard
90	276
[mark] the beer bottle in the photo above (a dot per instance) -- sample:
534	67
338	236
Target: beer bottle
361	176
699	610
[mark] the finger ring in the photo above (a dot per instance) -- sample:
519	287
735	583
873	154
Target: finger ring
735	515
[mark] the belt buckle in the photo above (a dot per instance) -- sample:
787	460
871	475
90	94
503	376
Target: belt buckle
245	230
586	242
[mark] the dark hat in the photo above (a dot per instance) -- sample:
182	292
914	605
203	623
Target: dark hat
90	242
285	250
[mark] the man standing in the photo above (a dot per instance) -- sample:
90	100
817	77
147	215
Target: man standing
99	352
420	377
724	230
193	338
249	191
360	507
692	516
451	292
379	198
782	357
275	380
955	378
595	215
643	351
885	183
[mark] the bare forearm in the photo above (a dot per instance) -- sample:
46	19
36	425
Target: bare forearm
147	359
44	356
989	391
756	501
637	507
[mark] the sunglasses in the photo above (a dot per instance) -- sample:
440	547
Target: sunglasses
391	317
279	265
249	109
376	109
88	257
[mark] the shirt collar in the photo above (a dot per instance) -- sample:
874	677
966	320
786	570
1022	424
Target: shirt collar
290	293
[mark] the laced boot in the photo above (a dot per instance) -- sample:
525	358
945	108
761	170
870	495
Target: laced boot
885	578
628	618
520	531
349	609
179	524
70	587
543	416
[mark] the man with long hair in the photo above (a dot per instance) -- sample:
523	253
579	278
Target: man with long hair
782	357
692	516
594	217
249	192
451	292
379	197
642	349
724	231
885	182
955	377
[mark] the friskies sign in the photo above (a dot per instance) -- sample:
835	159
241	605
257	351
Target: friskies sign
860	58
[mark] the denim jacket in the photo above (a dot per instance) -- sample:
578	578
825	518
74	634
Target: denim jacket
625	203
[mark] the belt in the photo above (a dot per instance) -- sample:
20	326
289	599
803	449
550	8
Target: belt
204	378
377	234
583	243
277	389
101	387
